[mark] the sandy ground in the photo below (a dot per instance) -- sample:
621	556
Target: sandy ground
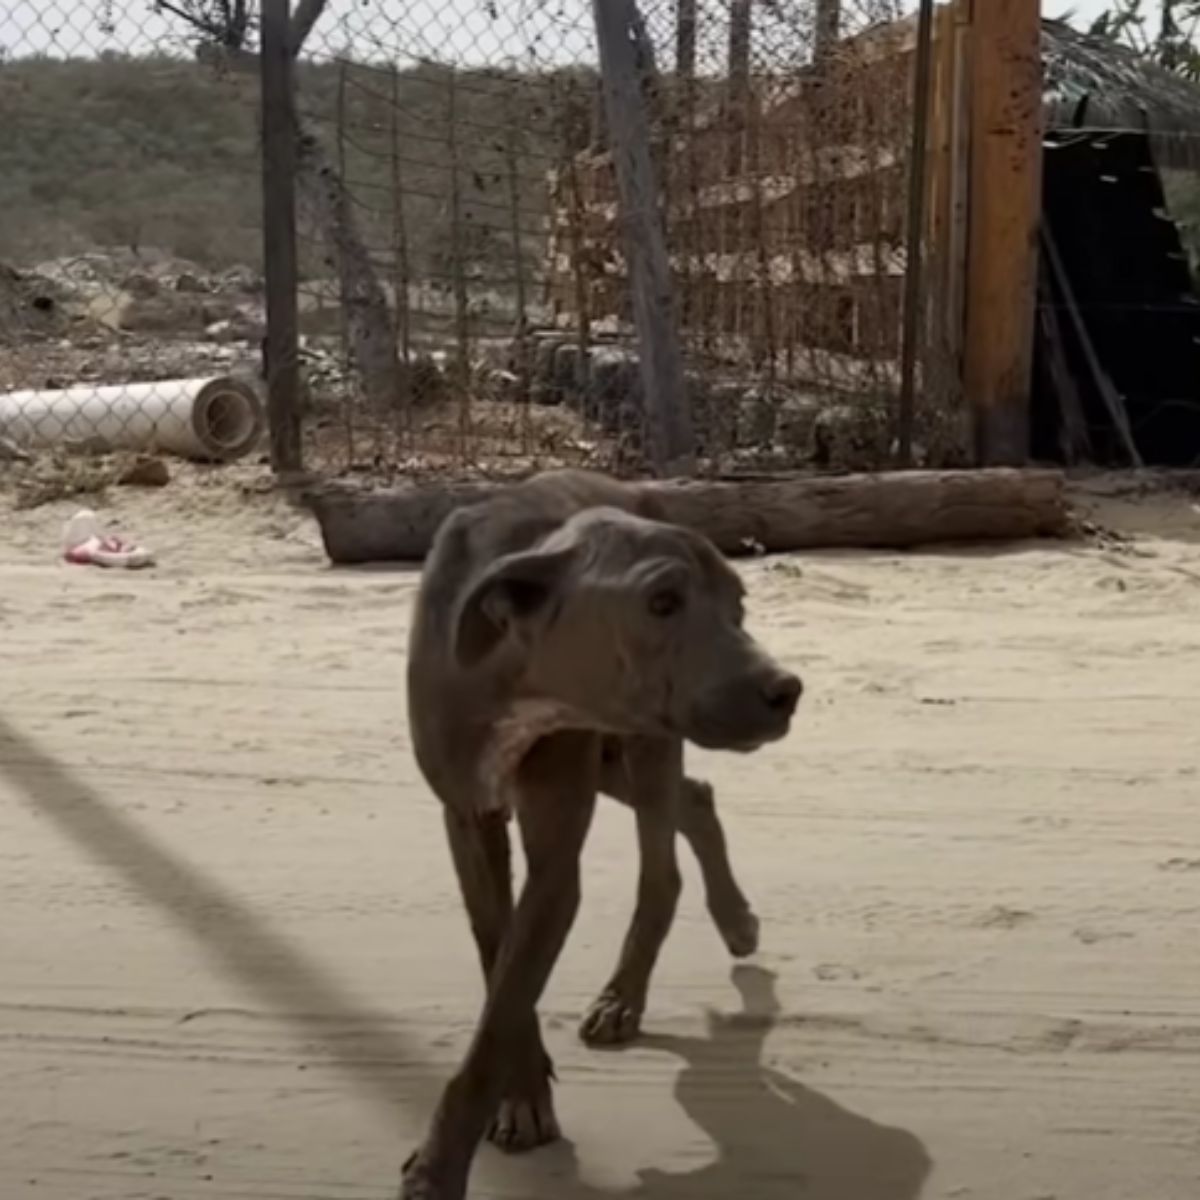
233	963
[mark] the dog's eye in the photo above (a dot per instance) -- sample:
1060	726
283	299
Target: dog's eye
667	602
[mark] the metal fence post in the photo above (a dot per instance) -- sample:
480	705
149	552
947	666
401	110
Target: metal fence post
914	259
279	238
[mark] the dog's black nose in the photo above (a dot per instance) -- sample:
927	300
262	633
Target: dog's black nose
782	693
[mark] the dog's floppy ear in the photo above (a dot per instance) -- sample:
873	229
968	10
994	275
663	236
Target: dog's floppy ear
511	595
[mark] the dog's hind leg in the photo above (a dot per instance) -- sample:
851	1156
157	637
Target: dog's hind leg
647	775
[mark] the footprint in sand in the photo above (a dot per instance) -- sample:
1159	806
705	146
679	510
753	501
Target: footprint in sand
1044	821
834	972
1089	937
1002	917
219	597
1180	864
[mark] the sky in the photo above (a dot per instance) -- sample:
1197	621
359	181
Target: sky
496	32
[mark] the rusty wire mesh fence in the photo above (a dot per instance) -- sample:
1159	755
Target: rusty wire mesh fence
465	302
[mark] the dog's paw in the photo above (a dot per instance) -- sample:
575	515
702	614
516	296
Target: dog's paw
739	930
417	1182
611	1021
525	1122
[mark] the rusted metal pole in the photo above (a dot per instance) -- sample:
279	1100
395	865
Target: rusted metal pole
282	349
914	259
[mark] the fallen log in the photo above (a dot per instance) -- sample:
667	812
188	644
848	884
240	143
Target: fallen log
771	514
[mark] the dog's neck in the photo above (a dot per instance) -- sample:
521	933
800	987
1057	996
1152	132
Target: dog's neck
520	726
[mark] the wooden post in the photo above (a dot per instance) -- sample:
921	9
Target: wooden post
668	413
1006	174
279	238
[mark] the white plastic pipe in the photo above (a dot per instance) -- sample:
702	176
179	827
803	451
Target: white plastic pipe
211	420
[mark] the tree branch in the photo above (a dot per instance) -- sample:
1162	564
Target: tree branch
193	17
231	31
305	15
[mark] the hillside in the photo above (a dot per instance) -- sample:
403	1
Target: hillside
128	153
162	152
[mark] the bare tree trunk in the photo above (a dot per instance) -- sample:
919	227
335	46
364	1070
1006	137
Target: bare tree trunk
324	197
322	194
667	406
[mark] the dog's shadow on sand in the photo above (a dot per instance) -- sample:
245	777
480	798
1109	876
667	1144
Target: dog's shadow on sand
773	1137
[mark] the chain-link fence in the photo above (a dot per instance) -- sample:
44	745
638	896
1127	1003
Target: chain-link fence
130	262
463	299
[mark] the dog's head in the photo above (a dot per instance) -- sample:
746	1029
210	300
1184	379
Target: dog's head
634	624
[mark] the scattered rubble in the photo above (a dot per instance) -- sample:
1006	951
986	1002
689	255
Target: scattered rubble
777	425
150	292
145	471
119	316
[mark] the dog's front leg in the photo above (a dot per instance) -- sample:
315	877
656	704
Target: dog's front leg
556	797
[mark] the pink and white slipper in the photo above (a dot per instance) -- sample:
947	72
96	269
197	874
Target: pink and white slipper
84	545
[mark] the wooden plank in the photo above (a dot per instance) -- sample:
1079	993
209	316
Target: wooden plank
671	437
1074	440
835	267
774	513
838	163
1109	395
877	44
941	375
1006	171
